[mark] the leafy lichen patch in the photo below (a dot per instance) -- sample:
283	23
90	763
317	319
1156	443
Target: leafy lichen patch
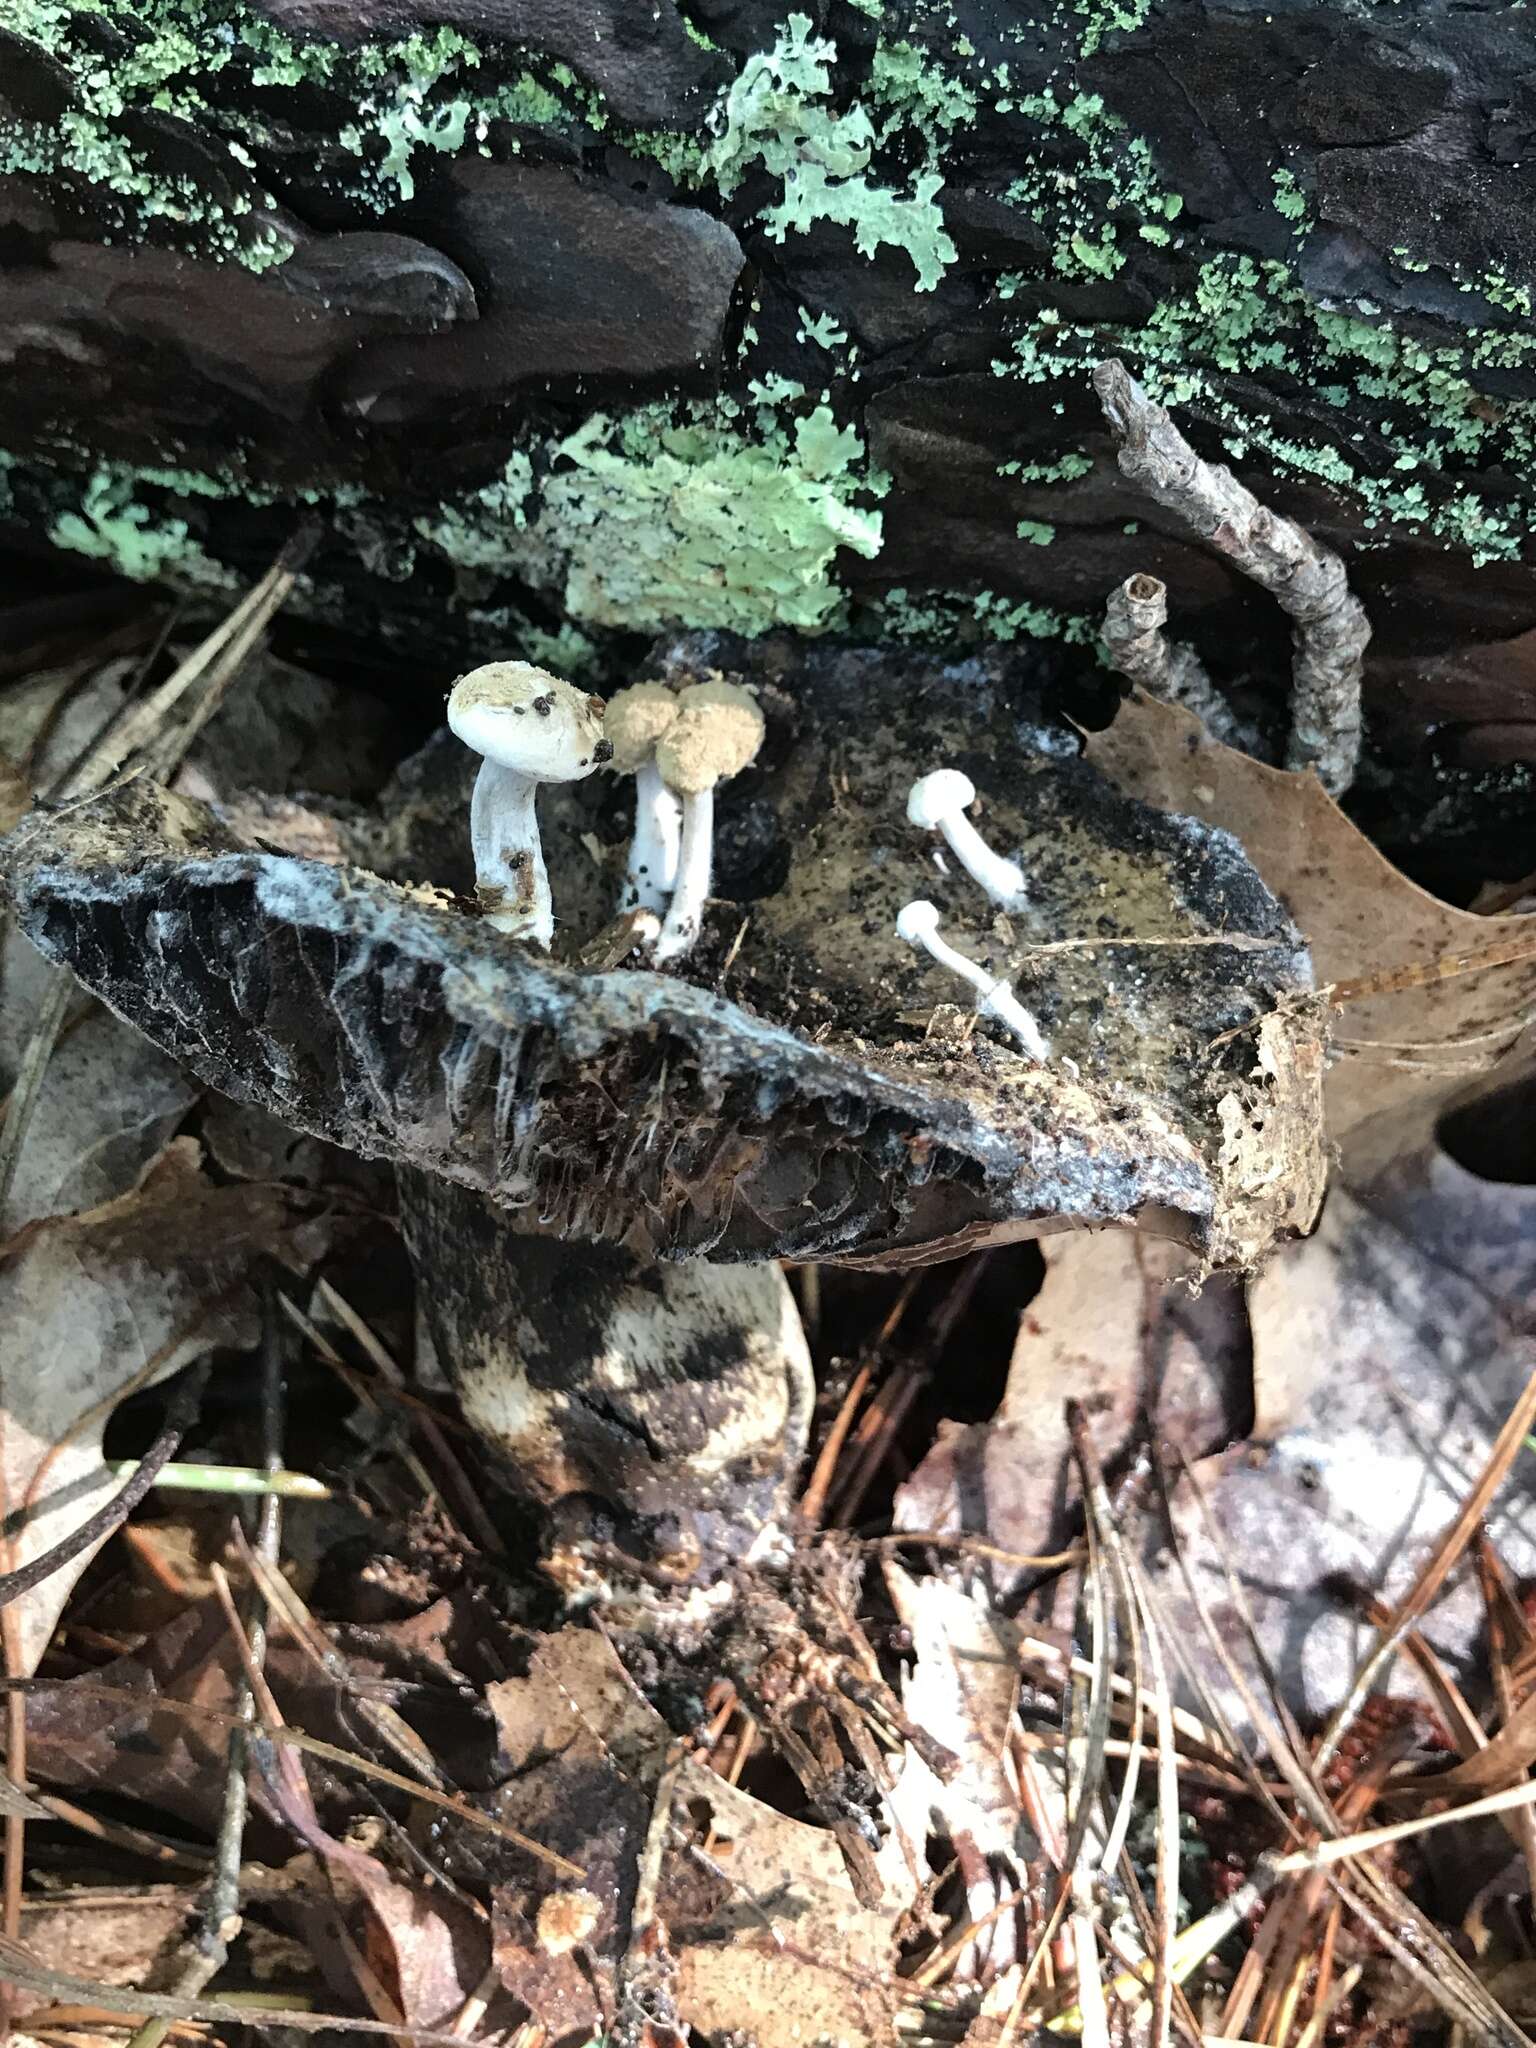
778	114
709	515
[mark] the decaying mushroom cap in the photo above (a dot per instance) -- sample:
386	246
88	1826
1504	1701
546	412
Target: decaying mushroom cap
523	718
716	733
831	1102
635	719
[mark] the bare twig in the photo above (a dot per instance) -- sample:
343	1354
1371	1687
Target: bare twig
219	1921
467	1503
1136	643
1307	580
250	2009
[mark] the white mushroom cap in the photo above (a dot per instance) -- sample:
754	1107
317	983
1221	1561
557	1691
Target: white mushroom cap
527	720
940	795
917	921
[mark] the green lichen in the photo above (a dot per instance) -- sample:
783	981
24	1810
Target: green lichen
707	515
944	618
1290	199
914	92
112	527
1244	317
823	330
1100	20
1065	469
1036	532
1112	184
477	537
776	114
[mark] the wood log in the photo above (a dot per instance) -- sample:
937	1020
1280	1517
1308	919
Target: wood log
577	320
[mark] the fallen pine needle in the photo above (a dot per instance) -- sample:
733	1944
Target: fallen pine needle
232	1479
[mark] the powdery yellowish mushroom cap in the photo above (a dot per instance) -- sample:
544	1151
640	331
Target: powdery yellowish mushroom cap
565	1920
523	718
717	732
636	718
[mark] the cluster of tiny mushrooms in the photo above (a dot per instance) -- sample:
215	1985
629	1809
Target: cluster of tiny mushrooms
530	727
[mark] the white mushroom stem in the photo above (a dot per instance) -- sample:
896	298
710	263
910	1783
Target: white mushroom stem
937	802
651	875
695	862
509	862
918	924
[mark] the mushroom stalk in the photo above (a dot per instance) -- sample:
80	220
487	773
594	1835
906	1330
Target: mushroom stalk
527	727
695	861
918	924
510	875
651	875
937	802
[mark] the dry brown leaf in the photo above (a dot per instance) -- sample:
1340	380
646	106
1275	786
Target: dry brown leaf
110	1099
111	1937
109	1102
1407	1054
426	1949
768	1937
1109	1330
95	1306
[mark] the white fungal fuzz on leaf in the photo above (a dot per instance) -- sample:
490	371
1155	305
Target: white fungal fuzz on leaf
717	732
938	803
636	719
918	925
528	727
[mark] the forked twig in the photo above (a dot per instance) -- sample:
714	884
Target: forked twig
1306	579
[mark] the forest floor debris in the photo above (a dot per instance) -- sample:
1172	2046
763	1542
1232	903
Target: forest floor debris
1053	1697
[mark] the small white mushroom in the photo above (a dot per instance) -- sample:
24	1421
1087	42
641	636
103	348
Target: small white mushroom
717	731
528	727
938	802
918	925
635	720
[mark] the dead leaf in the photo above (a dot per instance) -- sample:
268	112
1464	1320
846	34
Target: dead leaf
767	1935
108	1105
95	1306
1388	1351
1109	1330
426	1949
1406	1054
110	1937
111	1099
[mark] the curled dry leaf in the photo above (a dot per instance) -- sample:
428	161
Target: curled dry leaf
829	1113
1406	1053
95	1306
1388	1352
1111	1330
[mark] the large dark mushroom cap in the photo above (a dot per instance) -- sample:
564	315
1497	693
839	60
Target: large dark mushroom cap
643	1109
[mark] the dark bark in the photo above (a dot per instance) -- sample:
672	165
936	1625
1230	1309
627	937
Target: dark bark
1311	229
